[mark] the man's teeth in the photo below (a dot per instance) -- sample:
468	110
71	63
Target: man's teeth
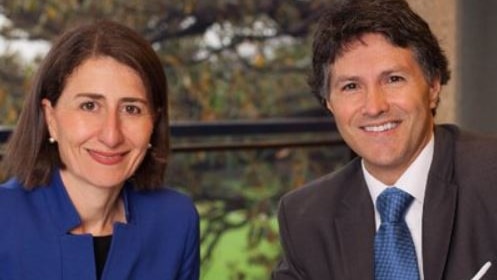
380	128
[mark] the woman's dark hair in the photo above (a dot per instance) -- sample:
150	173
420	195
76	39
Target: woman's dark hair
31	158
346	21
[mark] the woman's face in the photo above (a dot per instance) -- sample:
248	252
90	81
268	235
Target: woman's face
102	123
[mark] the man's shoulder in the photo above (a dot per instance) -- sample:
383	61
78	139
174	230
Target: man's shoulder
466	140
470	147
475	157
327	188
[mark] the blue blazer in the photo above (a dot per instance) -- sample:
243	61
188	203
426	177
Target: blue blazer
159	241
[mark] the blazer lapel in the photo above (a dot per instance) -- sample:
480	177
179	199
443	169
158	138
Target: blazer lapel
123	253
125	247
439	207
77	257
355	228
77	260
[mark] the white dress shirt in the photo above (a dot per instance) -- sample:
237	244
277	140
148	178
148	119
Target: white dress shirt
412	181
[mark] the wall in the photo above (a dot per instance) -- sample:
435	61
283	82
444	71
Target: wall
441	16
477	47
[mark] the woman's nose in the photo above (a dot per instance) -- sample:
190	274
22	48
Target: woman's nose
111	131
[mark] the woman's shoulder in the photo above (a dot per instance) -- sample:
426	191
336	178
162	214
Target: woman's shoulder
14	198
159	210
166	199
14	195
11	183
11	188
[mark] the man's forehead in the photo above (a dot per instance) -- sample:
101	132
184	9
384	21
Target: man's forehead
360	40
372	54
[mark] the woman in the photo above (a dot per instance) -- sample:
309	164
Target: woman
88	158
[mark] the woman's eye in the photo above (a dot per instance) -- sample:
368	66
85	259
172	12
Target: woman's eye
88	106
132	109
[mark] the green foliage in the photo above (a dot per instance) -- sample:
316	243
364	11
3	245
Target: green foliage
237	257
237	195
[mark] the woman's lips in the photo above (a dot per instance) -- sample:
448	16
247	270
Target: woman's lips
107	158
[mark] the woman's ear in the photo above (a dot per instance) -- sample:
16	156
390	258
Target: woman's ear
48	110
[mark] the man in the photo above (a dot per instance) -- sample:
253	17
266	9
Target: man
379	69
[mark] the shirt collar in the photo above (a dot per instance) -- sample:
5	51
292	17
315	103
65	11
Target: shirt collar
412	181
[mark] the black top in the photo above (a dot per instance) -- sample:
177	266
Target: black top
101	245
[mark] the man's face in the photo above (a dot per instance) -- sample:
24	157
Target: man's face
382	104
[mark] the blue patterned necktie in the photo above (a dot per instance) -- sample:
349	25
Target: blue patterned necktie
394	253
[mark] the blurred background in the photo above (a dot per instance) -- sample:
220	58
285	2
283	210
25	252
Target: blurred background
245	127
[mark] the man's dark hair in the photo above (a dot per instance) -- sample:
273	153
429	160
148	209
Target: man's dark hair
345	22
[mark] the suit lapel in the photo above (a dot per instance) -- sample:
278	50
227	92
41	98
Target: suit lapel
439	207
355	228
356	239
438	218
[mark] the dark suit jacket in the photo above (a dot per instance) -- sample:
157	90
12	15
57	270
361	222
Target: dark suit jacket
327	227
159	241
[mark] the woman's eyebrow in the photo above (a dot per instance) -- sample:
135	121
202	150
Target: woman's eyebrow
90	95
134	99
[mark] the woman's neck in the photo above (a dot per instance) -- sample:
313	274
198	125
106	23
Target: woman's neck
99	220
98	207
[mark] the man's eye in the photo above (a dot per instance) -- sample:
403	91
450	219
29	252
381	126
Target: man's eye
88	106
349	86
394	79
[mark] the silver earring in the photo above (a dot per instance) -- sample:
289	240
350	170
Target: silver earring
51	140
149	145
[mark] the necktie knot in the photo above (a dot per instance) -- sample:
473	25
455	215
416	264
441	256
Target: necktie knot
392	205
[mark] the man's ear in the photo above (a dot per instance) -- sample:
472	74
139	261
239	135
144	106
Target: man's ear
329	105
49	112
435	89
